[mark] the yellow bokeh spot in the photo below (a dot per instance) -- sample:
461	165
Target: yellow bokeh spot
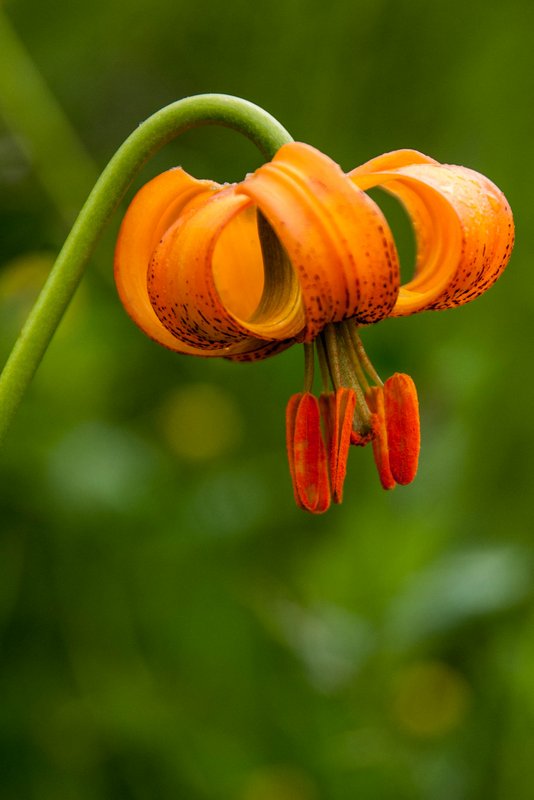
22	279
279	783
200	421
430	698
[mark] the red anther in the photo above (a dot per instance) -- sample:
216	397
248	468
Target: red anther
337	412
306	453
402	424
375	401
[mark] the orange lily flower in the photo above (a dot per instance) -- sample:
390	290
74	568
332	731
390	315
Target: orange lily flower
298	252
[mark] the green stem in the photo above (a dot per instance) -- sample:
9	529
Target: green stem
150	136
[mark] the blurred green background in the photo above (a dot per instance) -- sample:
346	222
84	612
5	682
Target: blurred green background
171	625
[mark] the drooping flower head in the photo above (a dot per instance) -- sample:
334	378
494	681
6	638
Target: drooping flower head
298	252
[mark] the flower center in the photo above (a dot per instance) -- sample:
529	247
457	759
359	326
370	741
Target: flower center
345	364
354	408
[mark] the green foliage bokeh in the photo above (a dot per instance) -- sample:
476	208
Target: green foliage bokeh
171	625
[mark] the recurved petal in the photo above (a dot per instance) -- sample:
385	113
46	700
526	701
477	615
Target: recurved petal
336	237
487	233
391	160
197	283
154	208
462	222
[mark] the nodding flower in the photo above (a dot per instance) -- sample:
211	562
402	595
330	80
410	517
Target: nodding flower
299	253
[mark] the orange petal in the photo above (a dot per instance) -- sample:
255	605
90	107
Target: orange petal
154	208
387	161
402	424
180	277
462	222
182	281
375	401
306	453
336	237
170	197
337	412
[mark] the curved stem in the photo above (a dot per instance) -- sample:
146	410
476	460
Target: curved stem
147	139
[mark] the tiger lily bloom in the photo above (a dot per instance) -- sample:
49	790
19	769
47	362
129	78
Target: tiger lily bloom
297	252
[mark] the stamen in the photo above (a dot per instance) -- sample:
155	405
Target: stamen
308	367
355	361
334	361
344	375
402	423
364	359
375	398
307	454
337	412
323	363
